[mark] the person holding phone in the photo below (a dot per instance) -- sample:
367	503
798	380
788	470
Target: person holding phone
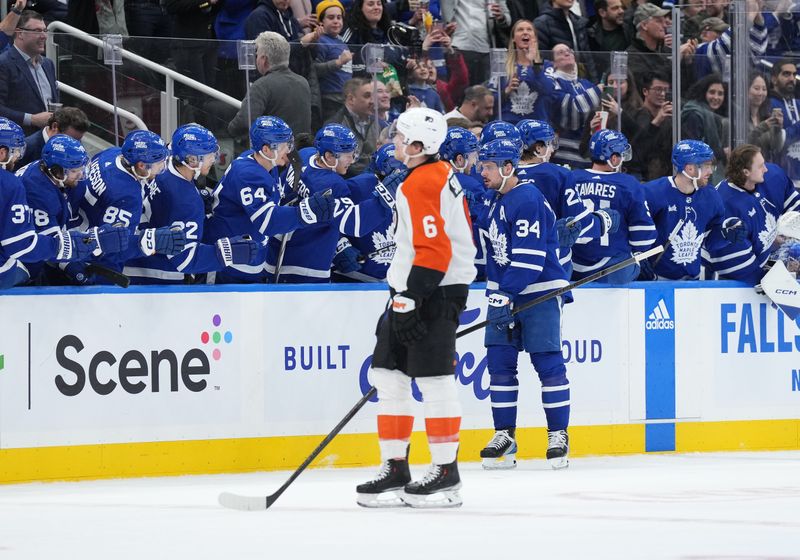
765	123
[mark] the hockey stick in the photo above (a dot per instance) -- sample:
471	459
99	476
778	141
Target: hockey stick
672	235
117	278
258	503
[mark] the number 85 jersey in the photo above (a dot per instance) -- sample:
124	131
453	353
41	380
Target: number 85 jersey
522	258
433	227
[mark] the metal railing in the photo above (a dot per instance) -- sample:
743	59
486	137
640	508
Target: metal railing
169	103
104	105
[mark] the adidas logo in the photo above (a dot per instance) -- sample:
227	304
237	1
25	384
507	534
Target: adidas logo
659	318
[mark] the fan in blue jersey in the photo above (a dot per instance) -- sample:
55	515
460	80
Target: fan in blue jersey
115	194
246	202
575	220
175	202
384	173
521	265
758	193
54	189
307	256
460	149
605	187
684	200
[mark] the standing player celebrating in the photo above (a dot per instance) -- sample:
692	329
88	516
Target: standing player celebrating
522	264
429	281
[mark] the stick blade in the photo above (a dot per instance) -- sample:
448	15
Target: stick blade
242	503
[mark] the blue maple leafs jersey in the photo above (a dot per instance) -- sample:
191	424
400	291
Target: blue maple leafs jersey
702	212
174	201
479	198
759	210
309	253
17	235
522	258
637	232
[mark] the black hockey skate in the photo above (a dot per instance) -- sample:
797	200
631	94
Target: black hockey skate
438	488
501	451
558	449
386	488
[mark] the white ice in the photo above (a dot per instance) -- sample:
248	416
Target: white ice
692	506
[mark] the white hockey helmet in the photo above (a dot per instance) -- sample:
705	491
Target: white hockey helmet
423	125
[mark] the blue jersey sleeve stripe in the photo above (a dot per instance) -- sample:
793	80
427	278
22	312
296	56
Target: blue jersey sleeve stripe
263	227
520	251
527	265
745	264
728	257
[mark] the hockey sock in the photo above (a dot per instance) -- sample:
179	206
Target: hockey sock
395	412
442	416
503	385
555	388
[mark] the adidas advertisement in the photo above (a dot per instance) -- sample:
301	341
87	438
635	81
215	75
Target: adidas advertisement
659	318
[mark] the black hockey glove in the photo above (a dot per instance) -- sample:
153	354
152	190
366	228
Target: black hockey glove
406	320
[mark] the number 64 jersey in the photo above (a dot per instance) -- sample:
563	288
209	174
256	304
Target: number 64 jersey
522	258
433	227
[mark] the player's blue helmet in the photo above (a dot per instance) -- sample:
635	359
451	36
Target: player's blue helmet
500	130
193	140
270	131
500	151
688	152
144	146
336	139
605	143
458	142
383	161
11	137
65	152
533	131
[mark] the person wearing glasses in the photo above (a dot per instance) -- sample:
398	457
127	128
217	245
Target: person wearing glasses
653	140
27	77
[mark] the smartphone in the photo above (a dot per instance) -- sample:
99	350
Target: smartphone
775	111
668	97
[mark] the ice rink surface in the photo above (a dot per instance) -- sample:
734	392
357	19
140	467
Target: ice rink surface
693	506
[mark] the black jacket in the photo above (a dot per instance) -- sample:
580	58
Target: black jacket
552	29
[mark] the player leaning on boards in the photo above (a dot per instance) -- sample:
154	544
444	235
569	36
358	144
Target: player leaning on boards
522	264
429	281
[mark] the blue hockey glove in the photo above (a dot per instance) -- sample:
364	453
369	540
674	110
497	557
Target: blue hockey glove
76	272
734	230
567	235
646	271
406	320
74	246
609	218
317	208
393	180
383	194
208	201
164	241
346	258
237	250
110	239
499	311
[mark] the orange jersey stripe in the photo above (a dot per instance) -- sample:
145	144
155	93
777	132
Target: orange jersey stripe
395	427
442	430
423	189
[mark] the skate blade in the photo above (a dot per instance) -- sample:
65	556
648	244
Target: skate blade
558	463
444	499
499	463
390	499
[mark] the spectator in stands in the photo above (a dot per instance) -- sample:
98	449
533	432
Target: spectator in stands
67	120
9	24
305	13
384	101
456	69
526	88
27	77
765	124
418	86
358	114
703	117
652	144
573	100
229	29
478	23
691	26
609	32
150	29
478	105
784	79
559	25
713	8
333	59
650	49
631	103
368	22
712	54
278	92
783	25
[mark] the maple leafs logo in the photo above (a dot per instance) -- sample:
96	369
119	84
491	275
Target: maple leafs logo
384	246
770	231
498	241
686	246
523	100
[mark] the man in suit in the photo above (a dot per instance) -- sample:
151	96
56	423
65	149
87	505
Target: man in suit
27	77
358	114
67	120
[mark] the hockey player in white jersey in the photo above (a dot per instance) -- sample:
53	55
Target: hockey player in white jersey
522	264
